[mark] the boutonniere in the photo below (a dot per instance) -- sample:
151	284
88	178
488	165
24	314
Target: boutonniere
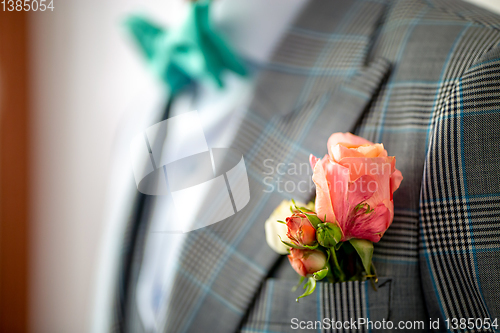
332	237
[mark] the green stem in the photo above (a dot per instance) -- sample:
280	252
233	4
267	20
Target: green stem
341	274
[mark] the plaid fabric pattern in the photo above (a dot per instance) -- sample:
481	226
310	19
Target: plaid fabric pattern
434	46
292	115
275	309
436	112
460	203
236	244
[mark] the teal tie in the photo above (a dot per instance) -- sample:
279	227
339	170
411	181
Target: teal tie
192	52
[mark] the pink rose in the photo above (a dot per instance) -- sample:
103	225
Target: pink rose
300	230
354	186
307	262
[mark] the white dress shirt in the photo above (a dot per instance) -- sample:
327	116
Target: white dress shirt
218	112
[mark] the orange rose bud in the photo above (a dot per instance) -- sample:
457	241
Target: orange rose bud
307	262
300	230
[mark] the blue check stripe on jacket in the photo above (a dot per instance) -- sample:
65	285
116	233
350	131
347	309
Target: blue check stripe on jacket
443	249
460	205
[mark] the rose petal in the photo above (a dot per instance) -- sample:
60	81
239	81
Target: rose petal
300	230
380	170
337	177
359	192
313	160
376	150
396	179
295	258
349	139
323	203
356	195
371	226
340	151
314	261
390	206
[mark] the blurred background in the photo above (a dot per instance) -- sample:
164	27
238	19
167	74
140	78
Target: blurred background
68	79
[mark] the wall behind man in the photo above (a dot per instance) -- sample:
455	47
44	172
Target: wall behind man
14	179
491	5
86	78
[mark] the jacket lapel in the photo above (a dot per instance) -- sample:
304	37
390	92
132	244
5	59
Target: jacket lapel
292	115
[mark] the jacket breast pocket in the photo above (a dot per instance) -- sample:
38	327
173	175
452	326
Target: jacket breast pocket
349	306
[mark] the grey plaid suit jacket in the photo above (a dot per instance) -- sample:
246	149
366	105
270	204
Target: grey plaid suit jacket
422	77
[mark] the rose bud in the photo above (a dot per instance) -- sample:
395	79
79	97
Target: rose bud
300	230
329	234
276	231
307	262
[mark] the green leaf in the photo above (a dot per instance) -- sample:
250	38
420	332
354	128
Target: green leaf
282	222
311	247
337	232
305	210
298	284
365	252
290	244
310	286
299	247
315	221
300	208
319	275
